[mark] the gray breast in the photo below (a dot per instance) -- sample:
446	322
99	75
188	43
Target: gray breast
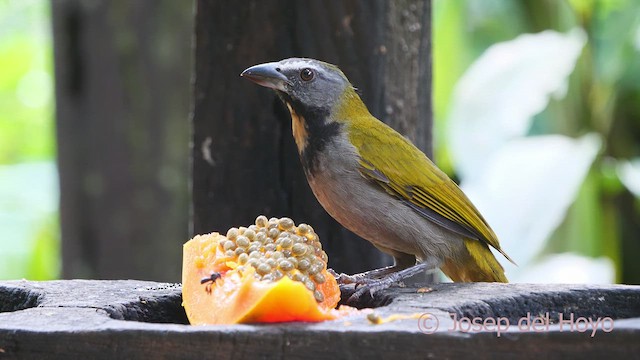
365	208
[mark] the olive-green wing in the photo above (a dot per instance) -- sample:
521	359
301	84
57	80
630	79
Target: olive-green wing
403	171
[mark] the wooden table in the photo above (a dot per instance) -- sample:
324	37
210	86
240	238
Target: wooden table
137	319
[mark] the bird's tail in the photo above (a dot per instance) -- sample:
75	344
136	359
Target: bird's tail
479	265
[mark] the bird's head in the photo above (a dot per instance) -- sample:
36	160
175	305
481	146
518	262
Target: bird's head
319	96
301	82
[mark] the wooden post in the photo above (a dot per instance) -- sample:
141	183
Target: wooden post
243	157
122	100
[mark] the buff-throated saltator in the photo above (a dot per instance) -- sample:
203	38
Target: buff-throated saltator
376	183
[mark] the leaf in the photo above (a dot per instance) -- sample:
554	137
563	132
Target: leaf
629	174
498	96
526	188
568	268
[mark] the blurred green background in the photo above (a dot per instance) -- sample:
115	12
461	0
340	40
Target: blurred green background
602	98
596	93
29	230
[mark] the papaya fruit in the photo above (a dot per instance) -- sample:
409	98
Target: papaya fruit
271	271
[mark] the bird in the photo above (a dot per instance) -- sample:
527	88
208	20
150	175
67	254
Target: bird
376	183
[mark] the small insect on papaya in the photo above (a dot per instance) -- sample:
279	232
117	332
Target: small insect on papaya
210	280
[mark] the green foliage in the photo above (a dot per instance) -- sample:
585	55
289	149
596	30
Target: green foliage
44	262
26	82
29	230
603	96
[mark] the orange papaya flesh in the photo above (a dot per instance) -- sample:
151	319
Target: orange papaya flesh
220	285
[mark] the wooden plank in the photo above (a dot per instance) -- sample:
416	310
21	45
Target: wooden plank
84	319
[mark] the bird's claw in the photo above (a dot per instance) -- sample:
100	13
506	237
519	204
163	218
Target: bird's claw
345	279
371	287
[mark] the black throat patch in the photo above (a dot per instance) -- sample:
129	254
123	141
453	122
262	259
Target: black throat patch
318	131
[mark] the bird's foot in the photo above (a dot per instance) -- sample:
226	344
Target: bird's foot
367	277
376	285
344	279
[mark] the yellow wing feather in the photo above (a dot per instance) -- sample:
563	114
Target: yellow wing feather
408	174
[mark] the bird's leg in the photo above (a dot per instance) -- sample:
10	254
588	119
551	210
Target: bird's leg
374	286
367	276
401	261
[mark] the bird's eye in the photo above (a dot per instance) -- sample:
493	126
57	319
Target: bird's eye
306	74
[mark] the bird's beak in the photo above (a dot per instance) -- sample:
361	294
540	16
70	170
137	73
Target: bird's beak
267	75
